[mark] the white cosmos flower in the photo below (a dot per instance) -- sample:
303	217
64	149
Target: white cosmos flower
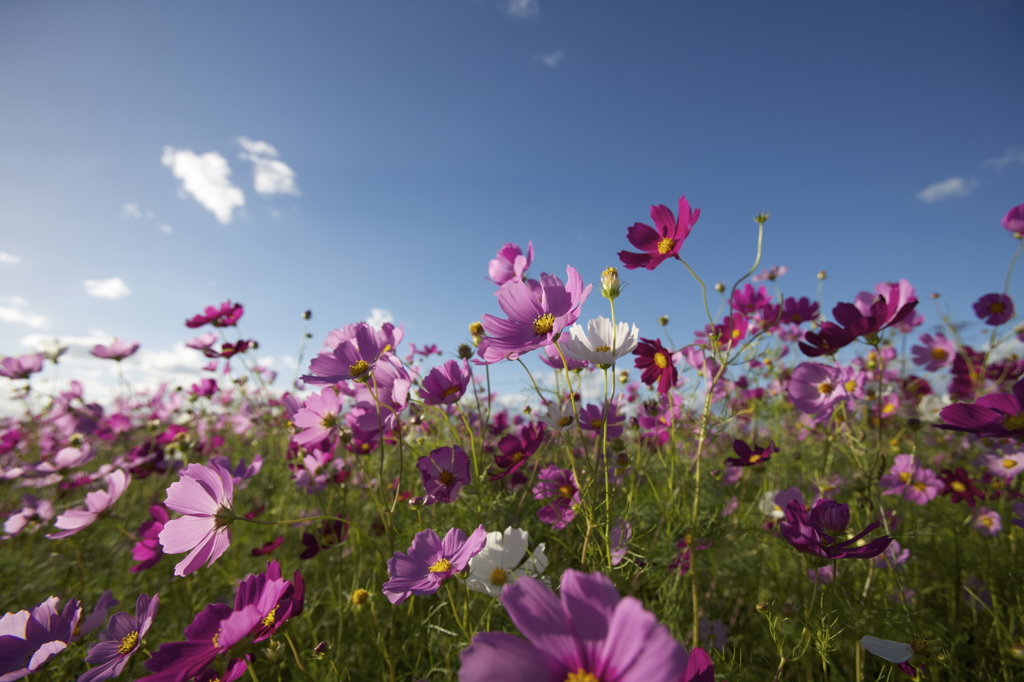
602	344
557	418
896	652
502	561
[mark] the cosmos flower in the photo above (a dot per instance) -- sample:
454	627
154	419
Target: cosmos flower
96	503
587	633
994	309
658	245
960	487
935	352
516	449
509	265
749	456
987	522
21	366
817	534
319	417
656	362
602	344
118	350
504	560
535	318
815	388
204	495
444	385
444	472
1013	221
122	638
147	551
898	652
227	315
30	638
430	562
354	358
559	486
909	479
996	415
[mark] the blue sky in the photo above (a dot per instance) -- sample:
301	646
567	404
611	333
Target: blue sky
399	144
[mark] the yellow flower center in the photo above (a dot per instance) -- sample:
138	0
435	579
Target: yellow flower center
446	477
517	457
754	459
996	308
565	491
736	333
360	596
905	476
889	408
544	324
987	521
499	576
581	676
661	360
666	245
850	386
329	421
216	639
269	620
920	646
451	390
360	368
1009	463
1015	422
597	424
602	349
919	485
129	642
939	354
958	486
564	421
825	388
797	318
440	566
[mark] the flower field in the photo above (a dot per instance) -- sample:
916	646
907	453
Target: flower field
788	493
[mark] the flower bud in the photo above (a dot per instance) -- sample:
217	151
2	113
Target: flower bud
465	351
830	517
763	607
611	287
720	287
624	376
822	274
663	320
360	597
308	314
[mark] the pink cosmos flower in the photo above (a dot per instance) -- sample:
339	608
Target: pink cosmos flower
30	639
444	472
227	315
430	562
1004	465
559	486
32	508
987	522
118	350
771	274
203	342
994	309
147	550
535	318
748	300
1013	221
510	265
516	449
352	359
909	479
319	418
21	366
815	388
203	494
593	418
798	311
444	385
960	487
658	245
657	364
122	638
589	632
96	503
935	352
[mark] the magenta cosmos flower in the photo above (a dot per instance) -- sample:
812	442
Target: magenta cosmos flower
30	639
21	366
227	315
118	350
319	417
444	472
996	415
430	562
122	638
909	479
656	364
935	352
147	550
817	533
994	309
658	245
535	316
354	358
559	486
444	385
96	503
816	389
516	449
203	495
587	634
749	456
510	265
1013	221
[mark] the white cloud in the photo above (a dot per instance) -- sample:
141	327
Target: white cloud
1012	155
270	174
131	211
551	59
12	309
166	229
107	288
953	187
522	8
9	258
379	316
207	178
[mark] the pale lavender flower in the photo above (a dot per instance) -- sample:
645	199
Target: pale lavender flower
21	366
430	562
118	350
987	522
203	494
444	472
96	503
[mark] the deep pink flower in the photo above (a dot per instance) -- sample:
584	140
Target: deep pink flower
798	311
147	551
30	639
444	385
662	243
510	265
815	388
593	418
748	300
444	472
96	503
535	318
352	358
559	486
588	633
21	366
994	309
1013	221
203	494
118	350
380	400
120	640
749	456
996	415
868	315
935	352
430	562
516	449
227	315
960	487
656	362
813	535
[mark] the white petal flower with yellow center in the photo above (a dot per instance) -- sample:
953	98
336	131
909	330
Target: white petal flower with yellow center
602	344
503	560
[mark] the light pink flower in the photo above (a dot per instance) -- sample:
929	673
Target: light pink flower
203	495
96	502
